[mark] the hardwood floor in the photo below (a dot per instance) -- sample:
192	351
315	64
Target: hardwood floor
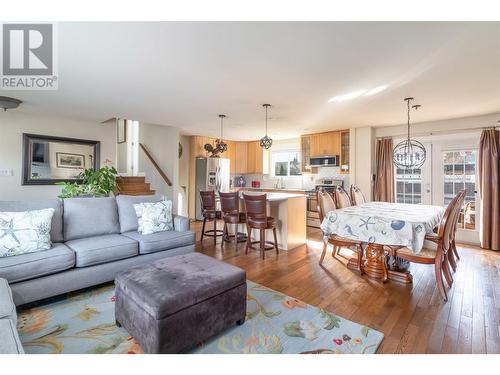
413	317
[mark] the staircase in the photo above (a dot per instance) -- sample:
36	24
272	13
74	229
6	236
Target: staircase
136	185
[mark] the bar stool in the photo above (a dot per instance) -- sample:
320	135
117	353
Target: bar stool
256	208
210	213
230	207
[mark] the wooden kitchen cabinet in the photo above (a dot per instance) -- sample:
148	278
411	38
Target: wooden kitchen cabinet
324	144
254	157
231	155
199	143
241	156
344	151
305	150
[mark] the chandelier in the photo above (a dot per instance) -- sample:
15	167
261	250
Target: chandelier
221	145
266	141
410	153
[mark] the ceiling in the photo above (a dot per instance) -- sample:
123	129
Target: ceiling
185	74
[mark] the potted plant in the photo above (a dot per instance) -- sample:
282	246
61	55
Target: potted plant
92	183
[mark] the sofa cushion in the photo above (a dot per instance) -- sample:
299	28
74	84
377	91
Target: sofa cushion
32	265
7	307
102	249
126	211
10	343
56	229
25	232
154	216
90	217
159	241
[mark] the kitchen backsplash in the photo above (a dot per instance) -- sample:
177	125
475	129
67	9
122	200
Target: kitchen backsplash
306	181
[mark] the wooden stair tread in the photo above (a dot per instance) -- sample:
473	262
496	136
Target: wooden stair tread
135	186
132	179
149	192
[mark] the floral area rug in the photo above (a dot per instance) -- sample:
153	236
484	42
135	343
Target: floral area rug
84	322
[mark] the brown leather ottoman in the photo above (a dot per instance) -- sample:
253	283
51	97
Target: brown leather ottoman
172	304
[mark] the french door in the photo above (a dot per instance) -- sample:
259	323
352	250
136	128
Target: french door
415	185
450	166
455	170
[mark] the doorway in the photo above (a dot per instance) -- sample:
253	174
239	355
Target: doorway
450	166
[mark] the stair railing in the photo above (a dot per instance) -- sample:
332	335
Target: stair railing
155	164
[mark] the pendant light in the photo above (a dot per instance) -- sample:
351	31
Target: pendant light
221	145
410	153
9	103
266	142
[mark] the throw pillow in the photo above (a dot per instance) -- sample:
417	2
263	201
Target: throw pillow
154	216
25	232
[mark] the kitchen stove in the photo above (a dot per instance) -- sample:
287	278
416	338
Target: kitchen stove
328	185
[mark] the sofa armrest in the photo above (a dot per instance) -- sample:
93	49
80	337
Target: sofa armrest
181	223
7	307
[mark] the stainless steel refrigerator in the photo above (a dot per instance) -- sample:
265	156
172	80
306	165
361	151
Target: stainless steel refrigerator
211	174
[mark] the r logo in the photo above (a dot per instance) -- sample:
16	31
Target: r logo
27	50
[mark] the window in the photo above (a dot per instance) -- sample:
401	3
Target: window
286	163
409	185
460	173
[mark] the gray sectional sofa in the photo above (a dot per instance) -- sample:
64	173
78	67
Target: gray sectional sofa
93	239
9	339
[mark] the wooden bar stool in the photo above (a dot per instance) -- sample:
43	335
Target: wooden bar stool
230	207
210	213
256	209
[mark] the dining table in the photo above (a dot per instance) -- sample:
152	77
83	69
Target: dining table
379	225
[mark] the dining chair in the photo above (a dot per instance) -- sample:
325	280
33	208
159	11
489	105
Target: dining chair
438	255
327	204
231	215
342	199
357	196
256	212
210	213
434	236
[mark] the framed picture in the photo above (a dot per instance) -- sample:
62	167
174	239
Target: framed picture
121	131
73	161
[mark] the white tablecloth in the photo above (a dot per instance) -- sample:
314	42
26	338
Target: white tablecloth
384	223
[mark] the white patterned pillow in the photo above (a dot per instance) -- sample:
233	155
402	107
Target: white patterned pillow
154	216
25	232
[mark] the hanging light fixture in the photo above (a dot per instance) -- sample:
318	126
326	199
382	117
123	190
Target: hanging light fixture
410	153
266	142
9	103
221	145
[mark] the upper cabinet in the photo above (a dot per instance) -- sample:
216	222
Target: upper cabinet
324	144
344	151
241	157
231	155
199	142
254	158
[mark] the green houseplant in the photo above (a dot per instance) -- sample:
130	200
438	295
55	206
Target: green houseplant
92	183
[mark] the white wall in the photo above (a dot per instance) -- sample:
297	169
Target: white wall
163	144
450	126
184	174
14	123
364	160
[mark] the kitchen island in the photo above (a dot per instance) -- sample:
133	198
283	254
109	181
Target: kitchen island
289	211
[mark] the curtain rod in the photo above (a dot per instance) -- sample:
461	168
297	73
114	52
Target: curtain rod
464	130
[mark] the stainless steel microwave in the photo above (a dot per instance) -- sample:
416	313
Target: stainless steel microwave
324	161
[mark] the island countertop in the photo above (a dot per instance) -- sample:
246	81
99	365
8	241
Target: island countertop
275	197
289	213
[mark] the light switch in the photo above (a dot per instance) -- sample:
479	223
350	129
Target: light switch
6	172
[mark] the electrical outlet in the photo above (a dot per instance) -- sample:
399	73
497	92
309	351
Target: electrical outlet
6	172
